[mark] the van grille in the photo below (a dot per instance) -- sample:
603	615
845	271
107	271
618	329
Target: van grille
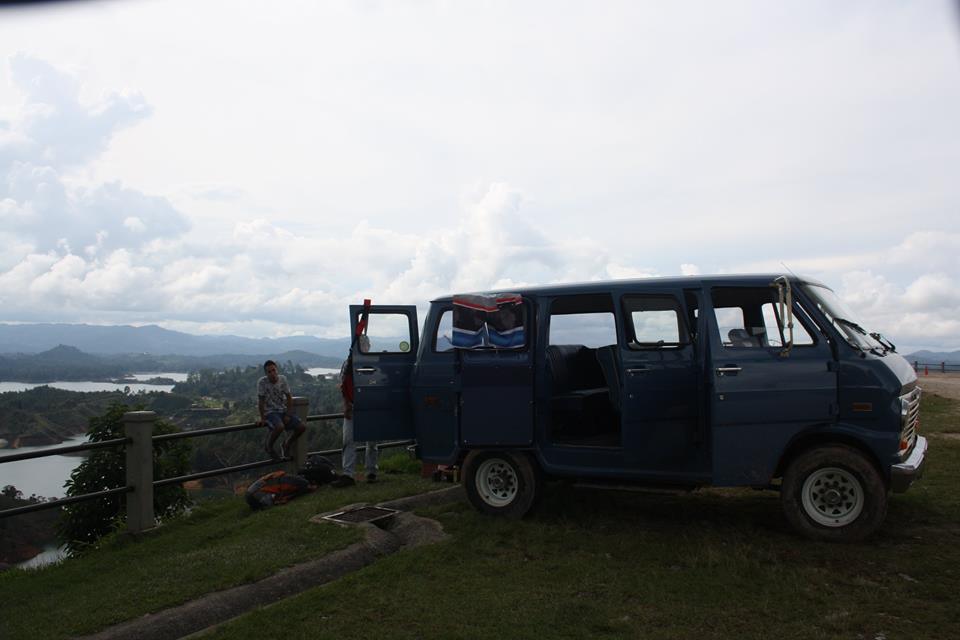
910	418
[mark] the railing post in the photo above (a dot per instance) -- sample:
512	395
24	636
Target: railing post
138	426
299	449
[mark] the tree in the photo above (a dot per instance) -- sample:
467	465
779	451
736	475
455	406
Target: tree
84	523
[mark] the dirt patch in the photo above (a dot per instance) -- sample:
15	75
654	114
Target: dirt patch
941	384
945	436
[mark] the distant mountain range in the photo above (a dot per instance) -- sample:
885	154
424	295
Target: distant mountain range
151	340
154	340
934	357
69	363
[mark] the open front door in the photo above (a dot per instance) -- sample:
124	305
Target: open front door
761	393
383	360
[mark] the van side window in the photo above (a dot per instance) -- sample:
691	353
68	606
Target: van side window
587	329
654	322
388	333
750	318
443	338
585	320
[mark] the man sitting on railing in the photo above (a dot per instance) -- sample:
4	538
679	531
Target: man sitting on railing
276	410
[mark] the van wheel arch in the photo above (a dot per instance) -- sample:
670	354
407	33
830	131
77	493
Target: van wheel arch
805	443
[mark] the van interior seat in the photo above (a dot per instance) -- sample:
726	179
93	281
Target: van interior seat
608	357
575	376
742	338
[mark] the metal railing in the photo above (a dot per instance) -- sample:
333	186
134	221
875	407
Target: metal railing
926	367
139	441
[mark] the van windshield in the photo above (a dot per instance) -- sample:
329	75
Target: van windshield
843	319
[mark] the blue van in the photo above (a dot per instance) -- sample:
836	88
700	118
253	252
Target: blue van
763	381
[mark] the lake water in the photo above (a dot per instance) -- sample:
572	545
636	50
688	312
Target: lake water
88	386
322	371
176	376
49	555
45	476
40	476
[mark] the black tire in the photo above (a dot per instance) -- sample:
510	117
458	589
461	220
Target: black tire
501	483
833	493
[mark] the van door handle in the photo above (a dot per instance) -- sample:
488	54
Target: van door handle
638	370
722	371
366	369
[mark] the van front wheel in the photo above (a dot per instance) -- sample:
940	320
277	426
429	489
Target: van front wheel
501	483
833	493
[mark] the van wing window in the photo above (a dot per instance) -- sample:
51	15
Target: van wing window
654	321
443	338
386	333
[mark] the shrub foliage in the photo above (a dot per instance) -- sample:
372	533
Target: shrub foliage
84	523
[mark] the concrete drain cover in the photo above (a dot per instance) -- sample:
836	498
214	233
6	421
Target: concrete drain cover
362	514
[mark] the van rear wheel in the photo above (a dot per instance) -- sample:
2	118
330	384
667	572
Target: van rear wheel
833	493
501	483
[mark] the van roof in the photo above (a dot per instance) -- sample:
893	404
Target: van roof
652	283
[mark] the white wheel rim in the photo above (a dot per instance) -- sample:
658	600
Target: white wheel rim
497	482
832	497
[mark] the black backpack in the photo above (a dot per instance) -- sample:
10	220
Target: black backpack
318	470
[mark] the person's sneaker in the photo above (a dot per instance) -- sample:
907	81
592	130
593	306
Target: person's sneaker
342	482
371	477
271	452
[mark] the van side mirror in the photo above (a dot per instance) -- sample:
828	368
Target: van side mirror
785	296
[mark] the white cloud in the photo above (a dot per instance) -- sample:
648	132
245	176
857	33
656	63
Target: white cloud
134	224
54	128
611	142
54	132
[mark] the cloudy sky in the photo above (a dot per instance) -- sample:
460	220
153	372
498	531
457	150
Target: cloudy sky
252	168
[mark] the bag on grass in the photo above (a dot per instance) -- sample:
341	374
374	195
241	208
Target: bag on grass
318	470
278	487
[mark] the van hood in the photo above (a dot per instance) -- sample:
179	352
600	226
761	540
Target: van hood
902	369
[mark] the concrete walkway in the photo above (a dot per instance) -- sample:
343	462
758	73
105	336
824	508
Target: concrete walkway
405	530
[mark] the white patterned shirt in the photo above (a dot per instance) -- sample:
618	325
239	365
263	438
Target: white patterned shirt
274	395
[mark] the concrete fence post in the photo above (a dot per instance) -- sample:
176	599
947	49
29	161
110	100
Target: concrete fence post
138	426
298	451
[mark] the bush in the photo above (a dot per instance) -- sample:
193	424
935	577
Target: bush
399	462
84	523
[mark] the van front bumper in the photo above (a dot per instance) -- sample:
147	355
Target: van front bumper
904	474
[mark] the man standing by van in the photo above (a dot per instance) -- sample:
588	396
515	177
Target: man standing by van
349	458
276	409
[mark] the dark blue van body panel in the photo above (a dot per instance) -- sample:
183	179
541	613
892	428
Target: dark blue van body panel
702	411
496	398
382	409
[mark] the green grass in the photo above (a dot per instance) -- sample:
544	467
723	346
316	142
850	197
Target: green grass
938	415
712	564
221	544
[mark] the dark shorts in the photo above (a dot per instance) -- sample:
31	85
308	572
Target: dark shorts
275	419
